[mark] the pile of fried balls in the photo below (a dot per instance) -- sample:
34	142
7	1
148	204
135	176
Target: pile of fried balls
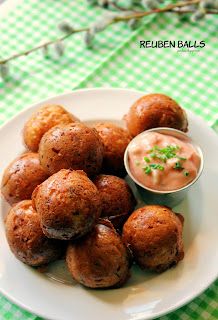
69	199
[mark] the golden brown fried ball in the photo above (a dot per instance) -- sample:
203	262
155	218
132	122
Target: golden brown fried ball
41	121
72	146
99	260
155	110
115	140
68	204
154	234
25	236
21	177
117	198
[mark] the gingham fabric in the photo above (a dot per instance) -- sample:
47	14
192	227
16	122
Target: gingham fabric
189	77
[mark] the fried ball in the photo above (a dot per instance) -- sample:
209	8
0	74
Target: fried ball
21	177
117	198
155	110
41	121
72	146
115	140
25	237
68	204
99	260
154	234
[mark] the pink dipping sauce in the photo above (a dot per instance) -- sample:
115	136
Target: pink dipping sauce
169	177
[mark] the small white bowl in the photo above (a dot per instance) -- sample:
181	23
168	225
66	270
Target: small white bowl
168	198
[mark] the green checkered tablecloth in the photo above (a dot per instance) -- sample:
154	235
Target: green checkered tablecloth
189	77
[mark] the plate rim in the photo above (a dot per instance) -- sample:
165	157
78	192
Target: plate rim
180	303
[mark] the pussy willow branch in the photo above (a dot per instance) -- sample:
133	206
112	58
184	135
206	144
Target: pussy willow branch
174	10
43	45
170	7
134	15
191	11
118	7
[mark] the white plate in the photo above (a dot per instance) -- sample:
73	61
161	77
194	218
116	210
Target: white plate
145	295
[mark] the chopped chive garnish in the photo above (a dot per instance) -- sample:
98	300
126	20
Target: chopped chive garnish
169	151
163	154
162	157
153	165
147	170
156	166
153	155
155	148
147	159
178	166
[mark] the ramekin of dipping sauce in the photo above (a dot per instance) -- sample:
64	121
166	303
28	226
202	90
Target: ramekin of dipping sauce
164	163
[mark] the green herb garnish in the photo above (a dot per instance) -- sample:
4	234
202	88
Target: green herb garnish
147	159
163	154
147	169
156	166
161	157
169	151
186	173
155	148
178	166
153	155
